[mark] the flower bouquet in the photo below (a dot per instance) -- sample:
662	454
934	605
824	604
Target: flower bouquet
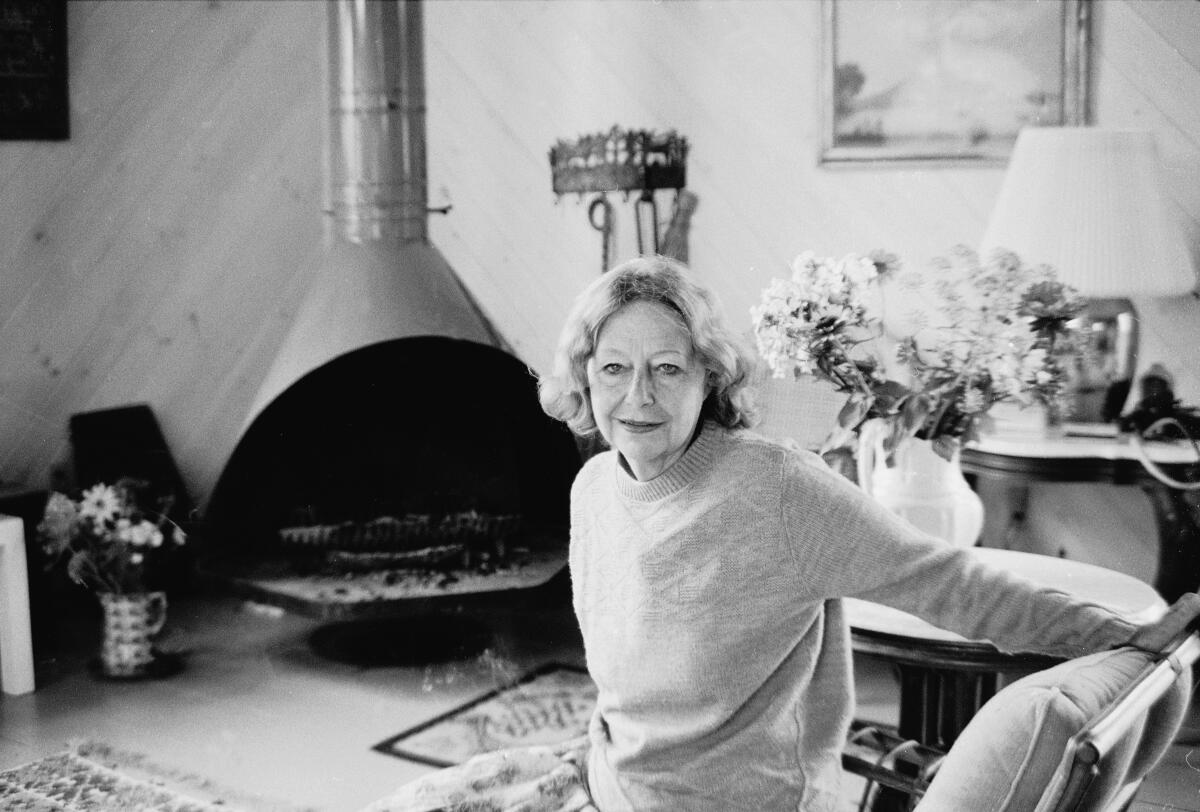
985	332
108	538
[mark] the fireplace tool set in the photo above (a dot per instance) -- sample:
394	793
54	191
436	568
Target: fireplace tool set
628	161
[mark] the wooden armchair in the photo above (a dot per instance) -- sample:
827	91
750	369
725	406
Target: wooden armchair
1080	736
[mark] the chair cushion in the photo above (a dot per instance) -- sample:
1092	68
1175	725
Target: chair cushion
1007	755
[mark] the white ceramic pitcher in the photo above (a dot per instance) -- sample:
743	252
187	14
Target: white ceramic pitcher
923	488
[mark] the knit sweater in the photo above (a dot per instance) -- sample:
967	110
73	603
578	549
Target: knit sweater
708	598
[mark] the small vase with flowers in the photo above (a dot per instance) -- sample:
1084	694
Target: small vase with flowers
111	541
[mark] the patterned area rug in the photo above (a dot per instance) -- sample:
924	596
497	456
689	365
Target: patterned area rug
93	777
547	706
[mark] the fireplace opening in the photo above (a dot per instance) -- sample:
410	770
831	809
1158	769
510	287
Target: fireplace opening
402	469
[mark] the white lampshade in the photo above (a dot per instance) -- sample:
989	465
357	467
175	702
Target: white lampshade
1091	203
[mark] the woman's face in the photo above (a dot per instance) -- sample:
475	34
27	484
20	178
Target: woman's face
647	386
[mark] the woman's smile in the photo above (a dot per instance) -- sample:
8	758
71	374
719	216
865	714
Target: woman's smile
638	426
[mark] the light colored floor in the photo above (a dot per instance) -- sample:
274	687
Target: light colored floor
258	712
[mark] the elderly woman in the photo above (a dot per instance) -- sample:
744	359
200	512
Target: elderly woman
707	563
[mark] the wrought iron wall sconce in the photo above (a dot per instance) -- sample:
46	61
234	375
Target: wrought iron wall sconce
628	161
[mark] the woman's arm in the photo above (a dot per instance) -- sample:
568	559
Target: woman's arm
847	545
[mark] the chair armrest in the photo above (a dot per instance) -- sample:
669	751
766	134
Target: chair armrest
1088	750
1102	734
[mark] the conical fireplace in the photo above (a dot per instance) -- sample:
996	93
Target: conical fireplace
393	422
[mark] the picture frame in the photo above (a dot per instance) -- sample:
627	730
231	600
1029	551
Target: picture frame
34	103
926	81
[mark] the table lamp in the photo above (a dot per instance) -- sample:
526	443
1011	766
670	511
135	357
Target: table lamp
1091	203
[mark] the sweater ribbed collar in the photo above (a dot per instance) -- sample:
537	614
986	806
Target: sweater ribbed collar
697	459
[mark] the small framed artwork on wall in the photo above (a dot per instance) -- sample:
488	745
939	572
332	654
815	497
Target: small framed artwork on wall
33	70
941	82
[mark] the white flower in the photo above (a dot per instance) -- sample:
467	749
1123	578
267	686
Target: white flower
858	269
124	531
100	503
973	401
803	266
145	534
919	319
58	522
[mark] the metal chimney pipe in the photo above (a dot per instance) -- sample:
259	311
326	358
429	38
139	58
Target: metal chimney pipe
376	168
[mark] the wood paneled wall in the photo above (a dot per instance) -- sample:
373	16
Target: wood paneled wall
159	255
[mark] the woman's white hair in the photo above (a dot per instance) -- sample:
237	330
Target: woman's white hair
564	392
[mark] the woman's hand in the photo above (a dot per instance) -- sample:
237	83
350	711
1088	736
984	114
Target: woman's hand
1157	635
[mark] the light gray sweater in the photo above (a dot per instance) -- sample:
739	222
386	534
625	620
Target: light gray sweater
708	599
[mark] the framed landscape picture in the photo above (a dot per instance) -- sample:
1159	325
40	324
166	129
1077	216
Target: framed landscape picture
936	81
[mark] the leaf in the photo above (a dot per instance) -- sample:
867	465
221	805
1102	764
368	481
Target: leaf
971	432
854	411
890	397
866	366
945	447
77	566
893	389
896	435
822	375
915	412
839	439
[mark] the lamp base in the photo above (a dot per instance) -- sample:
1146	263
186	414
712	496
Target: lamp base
1099	384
